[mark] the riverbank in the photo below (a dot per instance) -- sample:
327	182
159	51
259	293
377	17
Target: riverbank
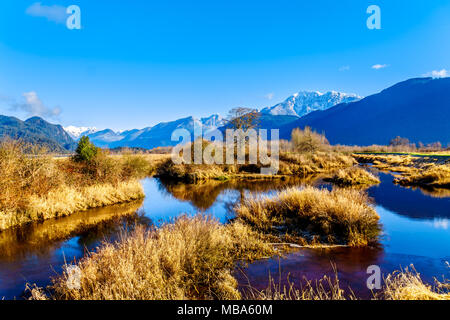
66	200
36	187
428	171
300	165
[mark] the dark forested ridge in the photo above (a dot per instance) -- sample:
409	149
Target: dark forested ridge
36	131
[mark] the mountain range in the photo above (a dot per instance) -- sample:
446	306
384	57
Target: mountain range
417	109
149	137
280	114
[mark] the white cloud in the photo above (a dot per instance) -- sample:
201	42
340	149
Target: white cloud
379	66
269	96
53	13
344	68
438	73
33	106
440	224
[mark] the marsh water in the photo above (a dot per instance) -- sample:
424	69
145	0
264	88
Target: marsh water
416	230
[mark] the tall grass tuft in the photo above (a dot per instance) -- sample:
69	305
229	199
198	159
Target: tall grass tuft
341	216
353	176
437	176
308	140
407	285
192	258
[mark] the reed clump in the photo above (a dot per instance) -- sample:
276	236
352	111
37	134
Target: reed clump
191	258
304	164
398	163
308	140
408	285
311	215
290	164
435	176
353	176
427	171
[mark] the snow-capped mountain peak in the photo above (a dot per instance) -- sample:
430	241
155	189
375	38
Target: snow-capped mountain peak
77	132
212	122
304	102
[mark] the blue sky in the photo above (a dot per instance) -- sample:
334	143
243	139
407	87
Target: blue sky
136	63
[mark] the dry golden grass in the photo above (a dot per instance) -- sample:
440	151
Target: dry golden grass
192	258
353	176
67	200
308	140
436	176
304	164
408	285
387	162
409	148
191	173
341	216
290	164
426	172
36	187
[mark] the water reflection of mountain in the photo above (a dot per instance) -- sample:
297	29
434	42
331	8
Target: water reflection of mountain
411	202
204	195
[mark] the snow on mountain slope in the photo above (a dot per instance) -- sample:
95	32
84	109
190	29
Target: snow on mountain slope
304	102
212	122
77	132
158	135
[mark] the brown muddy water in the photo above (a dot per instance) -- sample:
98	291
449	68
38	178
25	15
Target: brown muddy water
416	230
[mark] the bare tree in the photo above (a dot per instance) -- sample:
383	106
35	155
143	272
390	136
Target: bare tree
399	141
243	118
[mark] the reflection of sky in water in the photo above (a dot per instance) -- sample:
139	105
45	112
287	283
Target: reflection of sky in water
440	223
37	267
409	202
413	236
